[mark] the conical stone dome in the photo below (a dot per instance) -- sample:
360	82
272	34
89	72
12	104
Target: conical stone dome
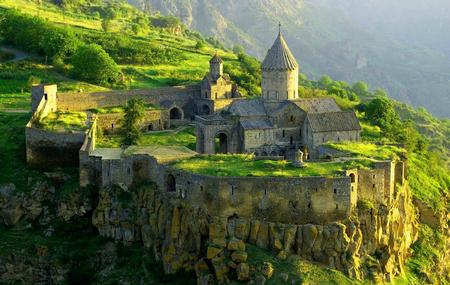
279	57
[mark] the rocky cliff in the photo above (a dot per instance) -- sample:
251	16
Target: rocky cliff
373	243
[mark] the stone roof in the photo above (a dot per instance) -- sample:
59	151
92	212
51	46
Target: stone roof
216	59
335	121
248	108
318	105
213	81
255	124
279	57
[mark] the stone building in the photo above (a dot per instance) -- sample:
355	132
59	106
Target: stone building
217	89
280	123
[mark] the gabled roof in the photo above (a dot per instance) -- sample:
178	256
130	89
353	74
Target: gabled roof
332	122
318	105
248	108
255	124
279	57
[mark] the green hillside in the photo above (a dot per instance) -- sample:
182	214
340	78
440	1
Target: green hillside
160	51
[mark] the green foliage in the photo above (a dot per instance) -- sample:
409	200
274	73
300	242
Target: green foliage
200	44
427	252
360	88
246	74
300	270
134	114
381	112
93	64
36	35
5	56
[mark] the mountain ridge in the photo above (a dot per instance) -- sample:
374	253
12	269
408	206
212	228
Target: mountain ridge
324	41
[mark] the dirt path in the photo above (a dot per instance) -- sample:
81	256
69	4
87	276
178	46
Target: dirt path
21	111
19	55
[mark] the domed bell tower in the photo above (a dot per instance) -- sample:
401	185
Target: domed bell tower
279	72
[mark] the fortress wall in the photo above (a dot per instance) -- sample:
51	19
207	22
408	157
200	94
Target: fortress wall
181	96
371	185
287	200
50	149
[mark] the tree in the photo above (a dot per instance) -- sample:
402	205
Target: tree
59	42
380	111
93	64
325	81
238	49
200	44
360	88
380	93
134	114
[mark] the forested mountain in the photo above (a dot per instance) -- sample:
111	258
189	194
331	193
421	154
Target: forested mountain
400	47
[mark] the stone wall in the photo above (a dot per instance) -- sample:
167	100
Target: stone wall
154	120
49	149
181	96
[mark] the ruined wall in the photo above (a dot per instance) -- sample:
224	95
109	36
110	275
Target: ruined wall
49	149
181	96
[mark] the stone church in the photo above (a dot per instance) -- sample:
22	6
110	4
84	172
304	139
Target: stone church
279	123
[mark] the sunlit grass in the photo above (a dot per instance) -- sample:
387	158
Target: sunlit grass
64	121
167	138
369	150
244	165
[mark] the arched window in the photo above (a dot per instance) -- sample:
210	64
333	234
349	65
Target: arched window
352	177
171	185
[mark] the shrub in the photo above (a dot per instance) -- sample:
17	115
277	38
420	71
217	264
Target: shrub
93	64
134	114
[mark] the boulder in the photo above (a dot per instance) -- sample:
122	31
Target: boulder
212	252
243	271
236	244
239	256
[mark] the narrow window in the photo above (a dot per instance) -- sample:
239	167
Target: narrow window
112	126
309	205
265	191
129	170
374	177
373	186
201	188
292	141
337	207
292	118
45	96
335	190
284	133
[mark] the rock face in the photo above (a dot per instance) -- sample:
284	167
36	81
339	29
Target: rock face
186	237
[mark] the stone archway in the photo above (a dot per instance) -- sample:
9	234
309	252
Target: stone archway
171	184
221	142
176	113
